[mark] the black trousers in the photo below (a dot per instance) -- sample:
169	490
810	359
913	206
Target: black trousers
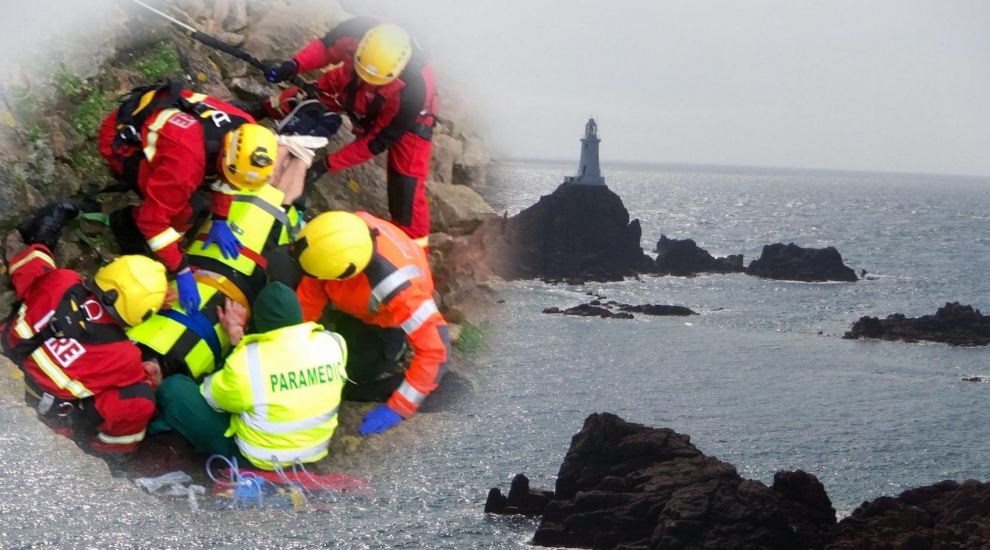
375	363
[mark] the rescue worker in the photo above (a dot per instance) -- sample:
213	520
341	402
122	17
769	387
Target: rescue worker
275	400
385	85
371	270
166	143
67	335
192	342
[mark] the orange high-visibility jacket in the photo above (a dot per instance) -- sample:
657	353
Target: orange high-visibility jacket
395	290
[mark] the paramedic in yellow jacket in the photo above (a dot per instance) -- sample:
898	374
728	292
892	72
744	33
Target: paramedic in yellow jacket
275	400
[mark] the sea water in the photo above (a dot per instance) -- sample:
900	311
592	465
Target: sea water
761	378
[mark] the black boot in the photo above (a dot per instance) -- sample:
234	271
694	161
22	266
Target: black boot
45	227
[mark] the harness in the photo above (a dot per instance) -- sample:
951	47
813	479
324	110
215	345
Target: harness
374	106
136	110
68	321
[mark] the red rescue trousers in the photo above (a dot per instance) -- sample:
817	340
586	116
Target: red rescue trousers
408	167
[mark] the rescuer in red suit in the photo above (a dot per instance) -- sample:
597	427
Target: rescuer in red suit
67	336
385	86
167	143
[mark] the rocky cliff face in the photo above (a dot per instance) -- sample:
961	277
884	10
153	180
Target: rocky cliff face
51	112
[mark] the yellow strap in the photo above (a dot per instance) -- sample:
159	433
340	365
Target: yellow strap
423	242
226	287
163	239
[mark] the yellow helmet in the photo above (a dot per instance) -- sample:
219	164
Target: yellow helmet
249	154
334	245
382	54
131	287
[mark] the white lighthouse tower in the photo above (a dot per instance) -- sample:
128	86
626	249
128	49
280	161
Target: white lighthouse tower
589	173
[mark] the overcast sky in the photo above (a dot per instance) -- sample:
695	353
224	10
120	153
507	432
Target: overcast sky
889	85
895	85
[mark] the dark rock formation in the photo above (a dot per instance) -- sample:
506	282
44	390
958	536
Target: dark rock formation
606	310
684	257
631	486
793	263
953	324
655	309
578	231
588	310
944	515
521	500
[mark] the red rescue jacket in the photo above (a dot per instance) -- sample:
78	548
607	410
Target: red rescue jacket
174	167
65	367
395	290
381	114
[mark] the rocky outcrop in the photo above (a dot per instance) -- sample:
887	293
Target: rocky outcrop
461	275
629	486
588	310
578	231
615	310
521	500
685	258
794	263
953	324
944	515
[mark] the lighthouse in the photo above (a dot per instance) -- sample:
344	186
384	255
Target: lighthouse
589	172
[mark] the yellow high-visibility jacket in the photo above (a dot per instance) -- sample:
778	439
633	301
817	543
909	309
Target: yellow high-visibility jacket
282	389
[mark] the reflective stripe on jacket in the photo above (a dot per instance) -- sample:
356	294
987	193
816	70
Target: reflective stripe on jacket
395	290
283	389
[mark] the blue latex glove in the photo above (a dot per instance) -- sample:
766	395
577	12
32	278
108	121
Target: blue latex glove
378	420
221	235
188	291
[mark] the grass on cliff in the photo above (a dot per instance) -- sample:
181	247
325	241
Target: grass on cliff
93	108
158	62
471	341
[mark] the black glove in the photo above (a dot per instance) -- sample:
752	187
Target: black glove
282	70
45	226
